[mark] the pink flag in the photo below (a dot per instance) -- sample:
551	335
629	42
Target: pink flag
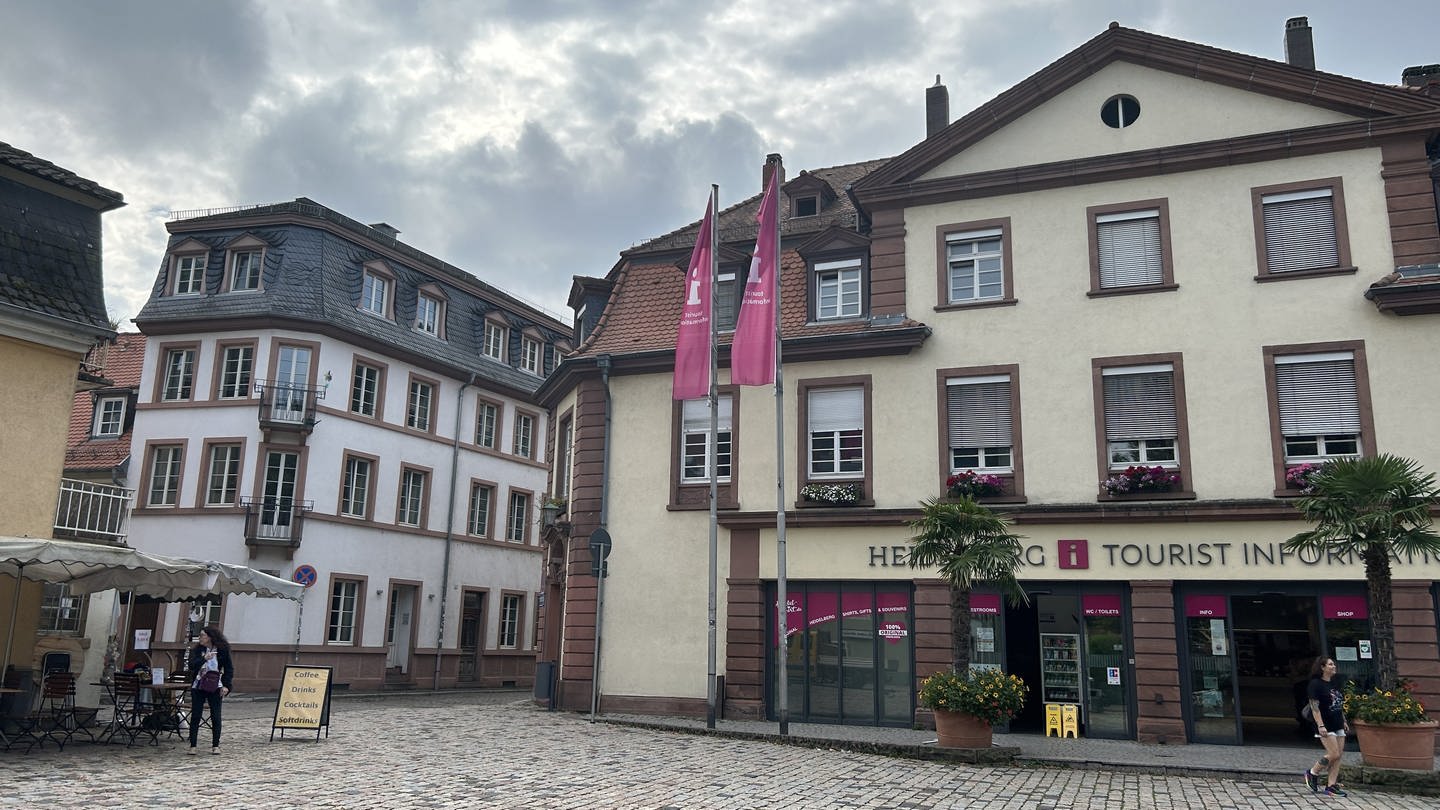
692	342
752	352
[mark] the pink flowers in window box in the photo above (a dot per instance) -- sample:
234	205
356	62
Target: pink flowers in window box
968	483
1138	479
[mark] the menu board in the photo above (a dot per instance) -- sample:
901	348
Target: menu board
304	702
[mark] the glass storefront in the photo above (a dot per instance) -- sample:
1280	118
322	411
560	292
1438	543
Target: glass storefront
849	653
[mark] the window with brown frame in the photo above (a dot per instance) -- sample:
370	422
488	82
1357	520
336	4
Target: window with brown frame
1130	247
1300	230
1141	416
975	264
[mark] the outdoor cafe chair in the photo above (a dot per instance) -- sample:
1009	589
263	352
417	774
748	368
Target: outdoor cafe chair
135	715
55	718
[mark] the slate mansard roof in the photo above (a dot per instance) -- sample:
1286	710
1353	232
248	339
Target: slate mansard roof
50	262
311	281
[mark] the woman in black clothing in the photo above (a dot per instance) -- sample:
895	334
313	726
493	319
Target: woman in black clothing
212	653
1327	709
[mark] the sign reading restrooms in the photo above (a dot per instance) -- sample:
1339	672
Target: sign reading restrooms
304	702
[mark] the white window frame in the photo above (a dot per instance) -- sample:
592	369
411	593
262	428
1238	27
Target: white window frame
517	517
840	280
511	605
495	339
61	612
695	440
836	426
179	382
477	520
428	313
355	487
190	274
1124	450
223	466
365	385
530	355
166	466
1320	413
416	417
375	294
410	511
109	417
342	612
727	305
1130	249
487	421
968	252
254	266
990	433
523	442
237	370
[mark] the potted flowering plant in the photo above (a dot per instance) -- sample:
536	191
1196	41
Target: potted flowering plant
1300	477
986	696
1135	479
975	485
1394	730
840	494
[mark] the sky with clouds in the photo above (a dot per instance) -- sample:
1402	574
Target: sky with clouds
528	141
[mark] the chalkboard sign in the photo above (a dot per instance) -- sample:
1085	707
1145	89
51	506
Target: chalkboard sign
304	703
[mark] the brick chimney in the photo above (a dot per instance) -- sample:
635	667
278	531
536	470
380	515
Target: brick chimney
1299	43
773	163
937	108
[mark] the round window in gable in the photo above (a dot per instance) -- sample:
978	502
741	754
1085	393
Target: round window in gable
1119	112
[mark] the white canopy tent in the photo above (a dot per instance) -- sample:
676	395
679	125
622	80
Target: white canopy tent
91	567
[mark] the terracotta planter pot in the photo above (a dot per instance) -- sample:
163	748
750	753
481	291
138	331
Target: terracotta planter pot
1410	746
957	730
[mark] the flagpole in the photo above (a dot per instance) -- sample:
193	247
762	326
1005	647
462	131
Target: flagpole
782	601
712	472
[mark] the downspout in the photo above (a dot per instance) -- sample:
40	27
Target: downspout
449	530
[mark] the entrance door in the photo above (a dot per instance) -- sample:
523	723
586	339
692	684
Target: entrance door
1106	667
398	628
1277	637
472	619
1210	646
849	654
278	506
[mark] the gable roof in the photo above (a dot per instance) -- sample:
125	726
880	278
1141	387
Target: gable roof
1343	94
122	363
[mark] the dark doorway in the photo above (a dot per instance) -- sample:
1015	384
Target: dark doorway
1276	639
1022	656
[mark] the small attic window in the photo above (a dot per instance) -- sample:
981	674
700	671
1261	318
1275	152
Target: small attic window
1119	111
807	206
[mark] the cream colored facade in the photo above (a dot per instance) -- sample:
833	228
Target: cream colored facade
1200	149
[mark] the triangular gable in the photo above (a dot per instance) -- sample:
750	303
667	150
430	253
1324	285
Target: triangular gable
246	240
1279	80
190	246
833	240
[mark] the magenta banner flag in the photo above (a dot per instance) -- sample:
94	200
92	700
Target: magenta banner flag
692	342
752	353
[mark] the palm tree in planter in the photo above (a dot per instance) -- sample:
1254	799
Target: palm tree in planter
968	544
1373	507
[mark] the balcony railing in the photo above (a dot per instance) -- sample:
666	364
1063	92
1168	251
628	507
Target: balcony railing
288	406
89	511
274	522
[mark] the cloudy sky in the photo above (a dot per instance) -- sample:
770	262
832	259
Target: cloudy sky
527	141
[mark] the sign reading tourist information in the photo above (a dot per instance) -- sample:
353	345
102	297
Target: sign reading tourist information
304	703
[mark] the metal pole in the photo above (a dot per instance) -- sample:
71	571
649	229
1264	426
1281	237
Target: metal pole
711	471
782	598
599	609
14	609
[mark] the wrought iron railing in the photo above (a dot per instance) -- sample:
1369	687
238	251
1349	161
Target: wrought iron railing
286	404
275	521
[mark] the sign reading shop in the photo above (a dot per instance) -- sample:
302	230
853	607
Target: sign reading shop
1085	555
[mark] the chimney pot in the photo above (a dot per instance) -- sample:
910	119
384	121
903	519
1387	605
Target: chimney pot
937	108
773	163
1299	43
1424	77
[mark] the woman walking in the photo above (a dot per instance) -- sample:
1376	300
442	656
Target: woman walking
1327	709
214	673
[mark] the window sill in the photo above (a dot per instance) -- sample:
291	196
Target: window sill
861	318
1294	274
998	302
828	505
996	499
1138	289
1181	495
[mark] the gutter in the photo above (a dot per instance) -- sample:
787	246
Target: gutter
449	530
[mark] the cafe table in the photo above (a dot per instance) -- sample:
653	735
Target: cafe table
170	699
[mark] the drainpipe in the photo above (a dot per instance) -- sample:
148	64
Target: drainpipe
449	530
603	363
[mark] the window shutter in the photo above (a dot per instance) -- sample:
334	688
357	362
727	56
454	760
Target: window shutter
1139	405
1300	231
979	413
695	415
1317	395
837	409
1129	249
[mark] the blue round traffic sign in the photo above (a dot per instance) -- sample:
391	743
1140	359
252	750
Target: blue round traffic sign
305	575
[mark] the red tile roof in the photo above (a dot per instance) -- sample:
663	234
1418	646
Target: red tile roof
122	363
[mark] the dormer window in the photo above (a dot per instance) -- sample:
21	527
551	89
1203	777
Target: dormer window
187	267
530	354
430	311
836	289
109	417
244	264
807	206
495	339
726	308
377	290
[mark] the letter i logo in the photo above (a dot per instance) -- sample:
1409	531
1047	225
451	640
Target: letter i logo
1074	553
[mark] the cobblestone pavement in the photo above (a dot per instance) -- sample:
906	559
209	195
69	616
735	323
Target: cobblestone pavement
495	750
